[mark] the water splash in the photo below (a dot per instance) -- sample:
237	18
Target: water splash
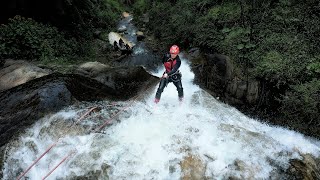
159	142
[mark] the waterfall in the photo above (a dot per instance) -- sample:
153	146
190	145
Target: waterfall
200	138
149	141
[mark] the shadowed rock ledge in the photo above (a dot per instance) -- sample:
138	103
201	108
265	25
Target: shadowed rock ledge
22	105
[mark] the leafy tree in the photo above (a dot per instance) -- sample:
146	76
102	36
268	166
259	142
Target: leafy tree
26	38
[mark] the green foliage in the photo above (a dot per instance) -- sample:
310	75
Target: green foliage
225	12
292	57
160	10
178	20
28	39
272	67
85	16
183	25
140	6
85	12
303	100
314	68
236	38
108	11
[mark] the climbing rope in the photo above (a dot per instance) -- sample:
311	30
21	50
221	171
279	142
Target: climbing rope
71	152
54	144
65	158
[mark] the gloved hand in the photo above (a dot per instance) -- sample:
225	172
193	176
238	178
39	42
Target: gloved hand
165	75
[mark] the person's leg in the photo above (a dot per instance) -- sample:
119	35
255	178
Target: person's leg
115	46
178	85
162	85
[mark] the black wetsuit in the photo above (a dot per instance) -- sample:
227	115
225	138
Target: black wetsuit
174	75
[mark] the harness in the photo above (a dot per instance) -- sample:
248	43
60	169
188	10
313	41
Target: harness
169	64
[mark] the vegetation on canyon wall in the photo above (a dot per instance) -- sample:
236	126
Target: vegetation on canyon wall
273	41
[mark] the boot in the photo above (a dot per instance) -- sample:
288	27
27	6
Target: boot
156	100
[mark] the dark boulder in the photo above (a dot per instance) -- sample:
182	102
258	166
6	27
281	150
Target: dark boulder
127	81
22	105
219	75
306	168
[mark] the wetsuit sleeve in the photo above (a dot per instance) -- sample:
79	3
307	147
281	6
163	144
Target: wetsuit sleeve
176	66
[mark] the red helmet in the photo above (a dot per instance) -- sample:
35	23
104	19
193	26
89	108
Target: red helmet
174	49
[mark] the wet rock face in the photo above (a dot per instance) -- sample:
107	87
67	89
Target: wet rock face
16	72
127	81
217	73
192	168
130	80
87	89
307	168
21	106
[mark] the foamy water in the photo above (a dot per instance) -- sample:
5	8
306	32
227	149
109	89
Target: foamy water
151	142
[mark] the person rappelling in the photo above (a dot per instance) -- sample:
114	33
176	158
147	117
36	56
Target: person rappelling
172	64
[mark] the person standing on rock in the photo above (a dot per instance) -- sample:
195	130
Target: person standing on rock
172	64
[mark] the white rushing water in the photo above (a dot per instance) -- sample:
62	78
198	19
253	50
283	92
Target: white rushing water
157	142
